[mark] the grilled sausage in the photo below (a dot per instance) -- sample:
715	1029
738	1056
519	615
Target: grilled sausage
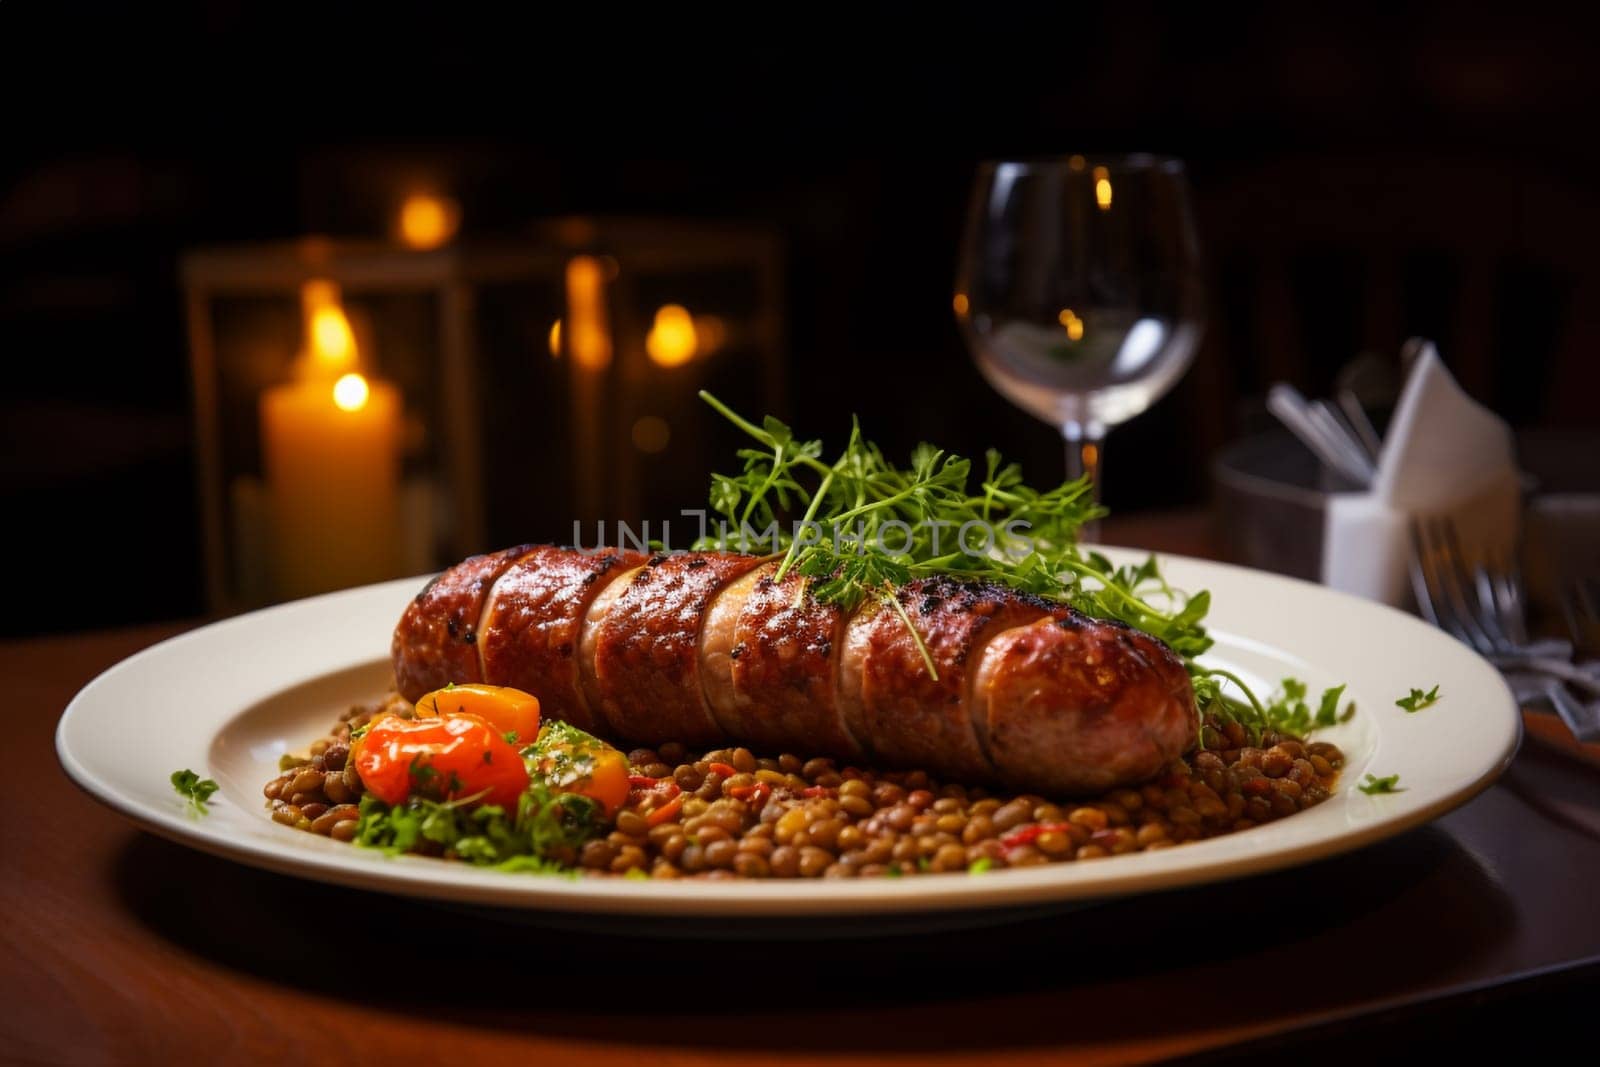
710	648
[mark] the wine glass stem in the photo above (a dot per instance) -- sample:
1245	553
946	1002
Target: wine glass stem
1085	448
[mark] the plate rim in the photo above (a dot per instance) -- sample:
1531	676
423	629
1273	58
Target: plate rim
423	877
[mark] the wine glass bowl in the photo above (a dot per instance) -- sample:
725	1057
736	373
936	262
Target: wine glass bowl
1079	289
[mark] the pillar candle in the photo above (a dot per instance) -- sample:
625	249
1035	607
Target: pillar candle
331	452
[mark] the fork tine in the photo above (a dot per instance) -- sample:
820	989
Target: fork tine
1423	585
1490	614
1441	608
1455	580
1509	596
1478	590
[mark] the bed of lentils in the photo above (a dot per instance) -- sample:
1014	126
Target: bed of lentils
728	813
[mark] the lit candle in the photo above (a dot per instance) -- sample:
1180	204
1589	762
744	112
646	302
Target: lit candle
330	445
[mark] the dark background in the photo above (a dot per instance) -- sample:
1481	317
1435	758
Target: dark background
1360	176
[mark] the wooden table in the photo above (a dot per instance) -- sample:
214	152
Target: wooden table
118	946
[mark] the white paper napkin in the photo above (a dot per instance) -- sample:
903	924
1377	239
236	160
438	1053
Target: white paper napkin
1444	455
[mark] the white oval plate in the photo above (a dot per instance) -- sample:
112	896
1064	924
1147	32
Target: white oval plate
228	699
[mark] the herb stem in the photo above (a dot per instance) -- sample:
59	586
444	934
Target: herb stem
755	431
922	646
1218	672
811	512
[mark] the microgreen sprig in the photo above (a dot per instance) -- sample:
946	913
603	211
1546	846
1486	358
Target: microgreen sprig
193	788
1417	700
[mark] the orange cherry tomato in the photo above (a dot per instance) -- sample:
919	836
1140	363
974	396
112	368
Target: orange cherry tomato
574	762
508	710
442	758
608	782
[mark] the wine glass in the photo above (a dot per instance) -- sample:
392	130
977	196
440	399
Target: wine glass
1079	290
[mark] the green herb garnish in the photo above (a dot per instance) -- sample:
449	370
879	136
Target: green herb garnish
1285	711
562	754
1419	700
1374	785
883	525
421	773
195	789
546	827
980	865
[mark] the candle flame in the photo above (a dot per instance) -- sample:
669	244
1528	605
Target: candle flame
350	393
555	339
1102	188
588	336
428	221
671	341
1072	322
960	303
330	342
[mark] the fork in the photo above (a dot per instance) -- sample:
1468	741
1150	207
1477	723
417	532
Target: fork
1481	605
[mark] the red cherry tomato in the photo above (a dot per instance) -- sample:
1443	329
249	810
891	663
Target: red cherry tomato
443	758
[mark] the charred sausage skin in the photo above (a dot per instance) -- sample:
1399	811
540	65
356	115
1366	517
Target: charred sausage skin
532	625
909	716
647	649
436	641
708	648
769	653
1116	699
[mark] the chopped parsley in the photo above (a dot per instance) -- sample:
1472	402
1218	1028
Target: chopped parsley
195	789
1375	785
421	773
542	837
980	865
562	754
1418	700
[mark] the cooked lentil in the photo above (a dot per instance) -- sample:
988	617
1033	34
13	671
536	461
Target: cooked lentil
792	816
